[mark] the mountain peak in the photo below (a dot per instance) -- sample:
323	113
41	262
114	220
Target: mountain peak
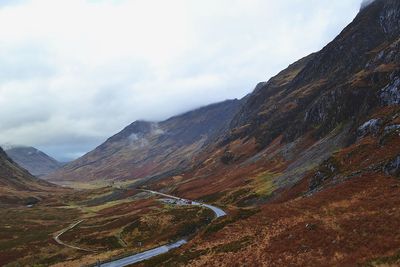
385	13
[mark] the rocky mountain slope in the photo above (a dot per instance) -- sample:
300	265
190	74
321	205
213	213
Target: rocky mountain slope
298	119
146	149
309	168
33	160
18	185
285	128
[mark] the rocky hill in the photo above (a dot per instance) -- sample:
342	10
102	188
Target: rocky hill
33	160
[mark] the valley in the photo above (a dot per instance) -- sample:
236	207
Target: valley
108	223
302	171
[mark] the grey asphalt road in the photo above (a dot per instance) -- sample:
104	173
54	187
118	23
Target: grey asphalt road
144	255
217	211
163	249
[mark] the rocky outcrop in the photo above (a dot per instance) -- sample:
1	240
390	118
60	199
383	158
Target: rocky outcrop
390	95
326	171
392	128
393	167
370	127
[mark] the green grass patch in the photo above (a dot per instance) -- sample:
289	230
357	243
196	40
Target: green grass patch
264	183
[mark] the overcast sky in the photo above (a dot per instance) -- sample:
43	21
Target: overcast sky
74	72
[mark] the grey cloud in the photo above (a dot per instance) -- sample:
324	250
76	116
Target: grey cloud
65	86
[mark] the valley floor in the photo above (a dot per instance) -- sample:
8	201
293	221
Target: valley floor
353	223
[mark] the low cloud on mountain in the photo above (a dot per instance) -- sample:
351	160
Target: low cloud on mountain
73	72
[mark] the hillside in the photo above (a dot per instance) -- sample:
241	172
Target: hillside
287	127
18	185
33	160
306	168
146	149
310	165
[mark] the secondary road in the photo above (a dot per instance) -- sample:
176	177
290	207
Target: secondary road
217	211
163	249
144	255
72	226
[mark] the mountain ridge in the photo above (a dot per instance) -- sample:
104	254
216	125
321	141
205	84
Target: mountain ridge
17	184
35	161
144	149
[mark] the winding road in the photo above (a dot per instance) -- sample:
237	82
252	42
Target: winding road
217	211
72	226
162	249
149	253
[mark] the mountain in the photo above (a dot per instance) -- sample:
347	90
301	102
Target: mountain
286	127
146	149
309	168
17	185
33	160
328	101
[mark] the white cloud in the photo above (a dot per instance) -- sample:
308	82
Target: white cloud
73	72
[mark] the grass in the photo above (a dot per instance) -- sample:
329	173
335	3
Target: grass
168	224
393	260
233	246
220	223
29	231
264	183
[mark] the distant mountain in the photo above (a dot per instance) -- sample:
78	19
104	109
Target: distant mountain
17	185
33	160
146	149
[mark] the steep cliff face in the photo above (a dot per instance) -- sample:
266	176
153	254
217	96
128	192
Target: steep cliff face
33	160
335	85
144	149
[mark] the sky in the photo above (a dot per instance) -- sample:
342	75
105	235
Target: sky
75	72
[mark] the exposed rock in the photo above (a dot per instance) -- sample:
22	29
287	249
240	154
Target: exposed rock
392	128
325	172
370	127
390	17
390	95
393	167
